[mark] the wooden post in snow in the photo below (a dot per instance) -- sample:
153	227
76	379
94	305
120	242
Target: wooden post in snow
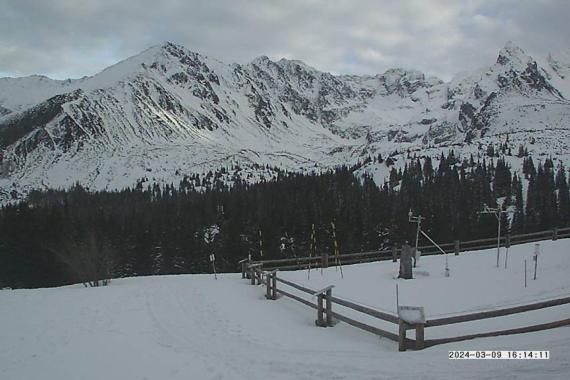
271	285
274	285
456	247
402	336
328	301
324	305
525	273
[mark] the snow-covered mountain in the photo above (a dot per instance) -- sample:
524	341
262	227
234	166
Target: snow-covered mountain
170	112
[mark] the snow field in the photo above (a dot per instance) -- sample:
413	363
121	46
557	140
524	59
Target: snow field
195	327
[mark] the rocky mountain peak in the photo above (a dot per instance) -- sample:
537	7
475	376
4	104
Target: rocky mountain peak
513	55
194	111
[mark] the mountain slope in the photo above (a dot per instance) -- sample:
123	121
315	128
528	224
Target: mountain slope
169	112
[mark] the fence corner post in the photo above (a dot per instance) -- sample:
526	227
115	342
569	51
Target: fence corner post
394	253
456	247
555	233
420	340
329	307
268	285
320	320
402	336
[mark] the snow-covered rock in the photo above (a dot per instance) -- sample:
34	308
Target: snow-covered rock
170	112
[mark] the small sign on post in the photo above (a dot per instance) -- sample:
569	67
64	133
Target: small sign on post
411	317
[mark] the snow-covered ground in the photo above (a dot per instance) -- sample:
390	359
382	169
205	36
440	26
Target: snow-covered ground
195	327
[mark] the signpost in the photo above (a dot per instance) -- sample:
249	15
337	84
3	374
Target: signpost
411	317
412	314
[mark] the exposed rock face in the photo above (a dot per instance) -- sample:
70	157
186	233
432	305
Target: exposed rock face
197	111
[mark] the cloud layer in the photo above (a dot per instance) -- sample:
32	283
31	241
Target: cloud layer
69	38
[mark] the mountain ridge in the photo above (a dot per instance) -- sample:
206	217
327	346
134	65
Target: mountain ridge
194	112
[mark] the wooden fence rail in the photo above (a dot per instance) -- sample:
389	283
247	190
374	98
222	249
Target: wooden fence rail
270	279
455	247
255	272
496	313
520	330
366	310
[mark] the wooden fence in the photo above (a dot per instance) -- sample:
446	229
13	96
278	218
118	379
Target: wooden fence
323	304
324	260
498	313
324	299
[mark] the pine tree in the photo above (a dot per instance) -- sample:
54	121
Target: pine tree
563	197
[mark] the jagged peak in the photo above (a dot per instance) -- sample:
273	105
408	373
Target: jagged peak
514	55
560	57
401	72
262	60
284	62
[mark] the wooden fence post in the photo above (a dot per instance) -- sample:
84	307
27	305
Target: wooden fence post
325	260
244	263
394	253
508	241
555	233
274	285
271	285
319	322
402	336
456	247
324	304
420	341
329	307
268	285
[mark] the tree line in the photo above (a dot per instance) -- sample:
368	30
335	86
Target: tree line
59	237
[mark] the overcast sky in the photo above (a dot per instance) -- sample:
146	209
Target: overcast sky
73	38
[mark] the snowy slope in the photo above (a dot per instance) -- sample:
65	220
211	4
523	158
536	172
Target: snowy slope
170	112
195	327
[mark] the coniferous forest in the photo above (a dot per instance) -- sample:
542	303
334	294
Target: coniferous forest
62	237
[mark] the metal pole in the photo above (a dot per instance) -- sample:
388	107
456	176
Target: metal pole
417	238
311	252
525	273
213	261
535	260
498	236
441	250
397	298
260	245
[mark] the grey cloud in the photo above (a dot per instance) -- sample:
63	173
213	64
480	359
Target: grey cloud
63	38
